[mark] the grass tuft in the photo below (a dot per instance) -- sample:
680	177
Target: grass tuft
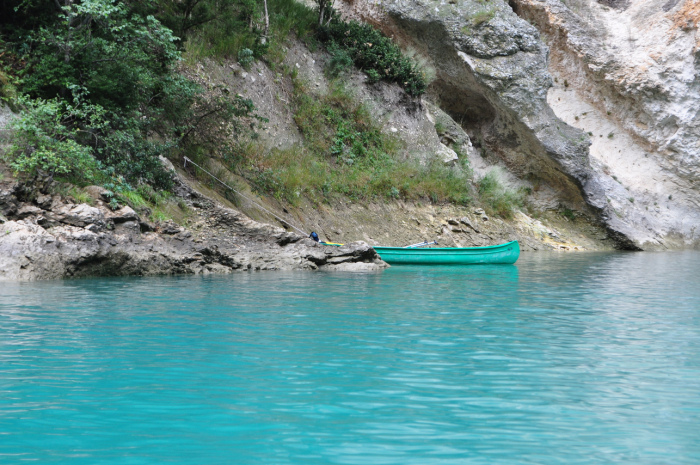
80	196
497	196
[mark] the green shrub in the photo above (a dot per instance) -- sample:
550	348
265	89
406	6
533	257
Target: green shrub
134	200
374	53
80	196
568	214
104	98
338	126
160	215
245	58
497	196
340	61
237	25
43	138
8	91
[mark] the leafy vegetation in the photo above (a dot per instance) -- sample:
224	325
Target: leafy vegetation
568	214
102	99
241	24
372	52
80	196
45	139
345	153
497	196
102	96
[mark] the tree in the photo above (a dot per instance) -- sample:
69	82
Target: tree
183	16
104	94
97	57
266	31
325	11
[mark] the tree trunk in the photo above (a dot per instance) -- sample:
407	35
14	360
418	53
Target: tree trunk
324	7
263	39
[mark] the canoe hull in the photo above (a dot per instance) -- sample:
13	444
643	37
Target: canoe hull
505	254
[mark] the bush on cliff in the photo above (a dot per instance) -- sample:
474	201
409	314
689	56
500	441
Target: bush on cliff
497	195
102	89
374	53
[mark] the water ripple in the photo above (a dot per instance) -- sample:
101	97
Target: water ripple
562	359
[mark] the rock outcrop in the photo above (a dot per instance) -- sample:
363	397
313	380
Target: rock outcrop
50	237
627	73
492	77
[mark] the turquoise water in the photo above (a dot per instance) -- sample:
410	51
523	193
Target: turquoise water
562	359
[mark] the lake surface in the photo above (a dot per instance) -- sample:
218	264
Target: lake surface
561	359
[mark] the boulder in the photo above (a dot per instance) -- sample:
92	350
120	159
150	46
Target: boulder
447	155
79	215
467	222
8	200
98	193
28	210
124	214
169	227
43	201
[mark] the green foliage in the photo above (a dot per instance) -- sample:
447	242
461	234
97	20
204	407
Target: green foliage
568	214
184	16
338	126
114	204
340	61
105	100
80	196
375	53
239	24
153	197
134	200
114	58
288	16
100	77
157	205
8	92
346	154
215	123
497	197
160	214
245	57
44	138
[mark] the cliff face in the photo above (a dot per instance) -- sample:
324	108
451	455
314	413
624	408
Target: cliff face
628	73
495	77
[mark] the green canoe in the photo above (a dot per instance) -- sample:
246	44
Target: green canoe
506	253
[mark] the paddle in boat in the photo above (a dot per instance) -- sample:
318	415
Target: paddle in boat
506	253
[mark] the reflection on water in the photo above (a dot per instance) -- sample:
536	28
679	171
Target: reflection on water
574	358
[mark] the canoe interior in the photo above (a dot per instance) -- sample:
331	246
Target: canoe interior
506	253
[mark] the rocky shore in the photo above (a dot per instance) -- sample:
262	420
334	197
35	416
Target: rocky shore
48	236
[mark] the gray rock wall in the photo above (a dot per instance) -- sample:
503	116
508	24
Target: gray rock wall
493	77
627	73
